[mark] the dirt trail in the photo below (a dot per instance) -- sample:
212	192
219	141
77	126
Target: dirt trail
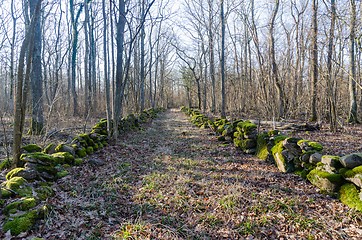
174	181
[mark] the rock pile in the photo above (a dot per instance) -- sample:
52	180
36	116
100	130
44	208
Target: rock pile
340	177
26	188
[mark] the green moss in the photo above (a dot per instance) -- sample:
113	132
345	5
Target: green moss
100	145
21	223
15	183
262	146
81	152
18	185
238	135
44	192
48	169
350	173
23	205
247	127
6	164
32	148
104	143
66	166
349	195
68	158
89	150
95	147
14	173
78	162
49	148
273	133
279	138
302	173
5	193
316	146
50	159
62	174
333	178
247	144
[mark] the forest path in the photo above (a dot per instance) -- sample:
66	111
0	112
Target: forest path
173	180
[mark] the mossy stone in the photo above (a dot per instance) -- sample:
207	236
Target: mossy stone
48	169
78	162
32	148
18	185
100	145
325	181
279	138
42	158
49	149
349	195
90	150
262	142
273	133
95	147
68	158
81	152
62	174
104	143
5	193
316	146
247	127
24	222
221	138
23	204
14	173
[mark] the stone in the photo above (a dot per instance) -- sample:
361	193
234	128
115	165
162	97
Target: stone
65	148
331	161
326	182
31	148
315	158
250	151
354	175
96	162
283	158
291	145
351	161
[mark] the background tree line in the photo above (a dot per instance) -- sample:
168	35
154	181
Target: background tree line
277	58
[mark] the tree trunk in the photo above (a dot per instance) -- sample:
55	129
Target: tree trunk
117	103
222	61
330	90
142	87
352	118
273	62
212	58
22	85
314	60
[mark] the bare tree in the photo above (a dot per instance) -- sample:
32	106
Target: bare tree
314	73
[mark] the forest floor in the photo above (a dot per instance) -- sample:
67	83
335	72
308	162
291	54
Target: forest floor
174	181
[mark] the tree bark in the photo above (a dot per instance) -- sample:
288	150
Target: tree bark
314	61
352	118
223	114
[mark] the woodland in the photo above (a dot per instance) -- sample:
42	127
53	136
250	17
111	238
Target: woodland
190	119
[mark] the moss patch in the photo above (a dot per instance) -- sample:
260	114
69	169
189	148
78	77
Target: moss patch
78	162
49	148
68	158
90	150
23	205
81	152
349	195
62	174
13	173
32	148
262	146
21	223
45	158
351	173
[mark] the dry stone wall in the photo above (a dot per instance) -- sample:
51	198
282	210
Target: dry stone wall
339	177
26	188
